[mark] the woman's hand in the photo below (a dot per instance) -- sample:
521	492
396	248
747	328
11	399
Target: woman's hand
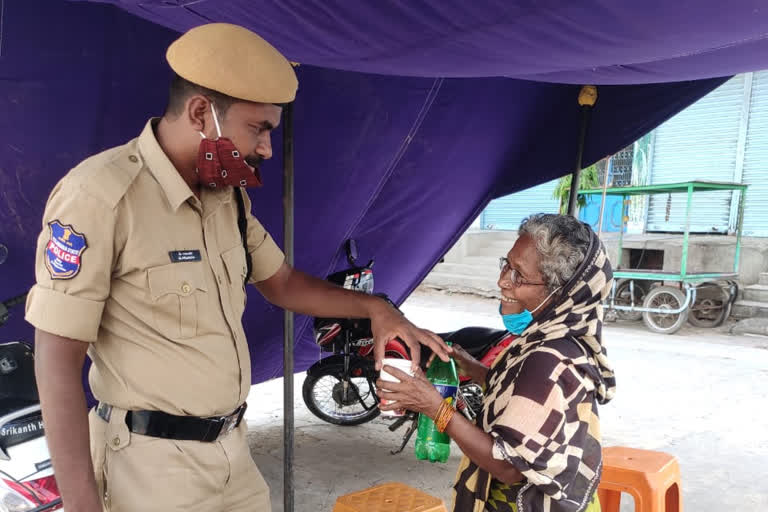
412	393
467	365
418	394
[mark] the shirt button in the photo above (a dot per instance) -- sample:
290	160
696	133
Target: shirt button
116	441
186	288
133	158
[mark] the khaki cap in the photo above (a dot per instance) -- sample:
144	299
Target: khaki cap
234	61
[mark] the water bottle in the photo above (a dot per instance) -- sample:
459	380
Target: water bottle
431	444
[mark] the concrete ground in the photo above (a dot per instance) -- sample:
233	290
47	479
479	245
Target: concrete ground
700	395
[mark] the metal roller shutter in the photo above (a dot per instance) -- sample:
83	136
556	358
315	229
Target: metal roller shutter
698	143
509	211
756	160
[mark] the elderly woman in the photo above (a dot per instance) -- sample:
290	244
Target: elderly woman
536	444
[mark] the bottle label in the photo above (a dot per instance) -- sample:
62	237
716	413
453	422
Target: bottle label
447	391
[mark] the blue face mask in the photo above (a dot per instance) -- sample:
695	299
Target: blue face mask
516	323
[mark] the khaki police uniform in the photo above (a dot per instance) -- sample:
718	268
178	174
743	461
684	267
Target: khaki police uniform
132	261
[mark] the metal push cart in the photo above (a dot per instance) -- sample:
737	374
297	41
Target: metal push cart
666	299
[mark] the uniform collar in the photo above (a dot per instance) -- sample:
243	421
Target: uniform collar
175	188
212	199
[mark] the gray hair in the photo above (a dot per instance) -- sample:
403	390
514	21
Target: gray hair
562	243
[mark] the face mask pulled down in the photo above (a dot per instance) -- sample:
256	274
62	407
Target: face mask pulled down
516	323
220	164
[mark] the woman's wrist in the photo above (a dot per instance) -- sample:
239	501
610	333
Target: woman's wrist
479	373
434	406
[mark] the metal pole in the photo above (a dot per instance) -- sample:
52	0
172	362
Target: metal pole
686	235
619	257
739	228
608	170
288	333
587	99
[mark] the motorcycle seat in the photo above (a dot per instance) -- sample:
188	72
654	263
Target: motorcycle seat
18	388
475	340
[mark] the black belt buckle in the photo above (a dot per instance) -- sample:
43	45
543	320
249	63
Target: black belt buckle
232	421
226	424
104	411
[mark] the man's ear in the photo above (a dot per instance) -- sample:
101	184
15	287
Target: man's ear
197	112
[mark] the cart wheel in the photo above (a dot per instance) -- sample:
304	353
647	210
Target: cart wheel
664	298
712	306
623	298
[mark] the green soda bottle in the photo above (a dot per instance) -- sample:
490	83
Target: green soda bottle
431	444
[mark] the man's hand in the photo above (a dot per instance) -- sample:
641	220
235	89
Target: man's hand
387	323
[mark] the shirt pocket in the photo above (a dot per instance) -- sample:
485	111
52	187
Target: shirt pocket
177	291
234	262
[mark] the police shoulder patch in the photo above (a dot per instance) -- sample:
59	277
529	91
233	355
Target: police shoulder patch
63	255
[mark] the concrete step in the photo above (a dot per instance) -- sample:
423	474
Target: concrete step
463	283
490	243
756	292
482	263
496	250
486	269
749	309
763	278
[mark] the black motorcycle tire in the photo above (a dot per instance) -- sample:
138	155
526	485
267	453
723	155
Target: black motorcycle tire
307	394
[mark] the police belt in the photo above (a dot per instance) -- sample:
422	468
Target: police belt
182	428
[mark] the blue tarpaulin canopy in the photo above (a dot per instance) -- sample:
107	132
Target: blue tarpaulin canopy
411	115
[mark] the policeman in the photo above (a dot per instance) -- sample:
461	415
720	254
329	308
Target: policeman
141	263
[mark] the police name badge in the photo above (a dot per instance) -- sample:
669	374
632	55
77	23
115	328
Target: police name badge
182	256
63	255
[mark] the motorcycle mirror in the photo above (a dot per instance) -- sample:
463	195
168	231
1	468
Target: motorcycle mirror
352	253
3	254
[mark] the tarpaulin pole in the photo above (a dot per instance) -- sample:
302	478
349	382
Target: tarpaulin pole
587	99
288	333
606	177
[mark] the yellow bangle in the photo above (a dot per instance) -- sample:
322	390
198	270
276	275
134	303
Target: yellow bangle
446	420
444	415
440	411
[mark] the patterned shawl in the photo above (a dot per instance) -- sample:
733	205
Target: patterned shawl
541	401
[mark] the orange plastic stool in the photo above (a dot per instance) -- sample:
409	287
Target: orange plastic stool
394	497
652	478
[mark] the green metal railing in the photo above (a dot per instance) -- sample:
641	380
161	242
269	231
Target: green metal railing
687	279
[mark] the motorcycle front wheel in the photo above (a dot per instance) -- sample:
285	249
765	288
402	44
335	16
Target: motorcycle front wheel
325	396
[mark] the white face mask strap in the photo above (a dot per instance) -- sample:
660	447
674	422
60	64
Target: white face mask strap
216	120
545	300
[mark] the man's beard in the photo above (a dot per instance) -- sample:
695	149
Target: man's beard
254	161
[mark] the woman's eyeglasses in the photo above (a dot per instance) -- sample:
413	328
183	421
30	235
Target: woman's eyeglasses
514	276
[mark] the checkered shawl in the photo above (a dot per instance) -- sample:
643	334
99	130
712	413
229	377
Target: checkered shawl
541	403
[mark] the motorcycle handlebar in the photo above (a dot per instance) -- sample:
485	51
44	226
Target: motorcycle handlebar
15	301
8	304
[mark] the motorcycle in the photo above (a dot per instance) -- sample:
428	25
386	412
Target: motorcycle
27	482
340	389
